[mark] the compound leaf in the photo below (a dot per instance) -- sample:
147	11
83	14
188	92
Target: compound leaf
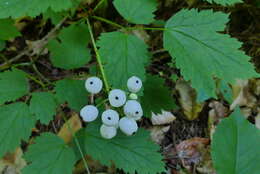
7	29
13	85
18	8
137	11
135	153
16	123
124	56
73	92
235	147
72	52
49	155
43	106
201	53
157	96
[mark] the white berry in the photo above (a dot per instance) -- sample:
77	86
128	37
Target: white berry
128	126
132	108
117	97
110	117
89	113
108	132
134	84
93	85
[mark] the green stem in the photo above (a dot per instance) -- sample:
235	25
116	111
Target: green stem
108	21
126	28
145	28
36	81
98	5
98	57
38	72
77	143
101	103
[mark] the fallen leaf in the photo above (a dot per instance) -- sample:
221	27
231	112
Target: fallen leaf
187	100
242	95
164	118
12	163
191	151
70	128
158	133
217	112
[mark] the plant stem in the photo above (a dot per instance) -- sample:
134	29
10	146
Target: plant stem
98	5
77	143
145	28
108	22
126	28
101	103
36	81
98	57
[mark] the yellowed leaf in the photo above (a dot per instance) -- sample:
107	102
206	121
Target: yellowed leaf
187	100
70	127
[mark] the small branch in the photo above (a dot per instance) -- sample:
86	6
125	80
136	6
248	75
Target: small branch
36	46
23	53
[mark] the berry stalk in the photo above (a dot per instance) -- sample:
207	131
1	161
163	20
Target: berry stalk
98	57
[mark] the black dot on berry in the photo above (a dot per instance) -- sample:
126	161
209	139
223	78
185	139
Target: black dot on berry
136	112
116	98
133	133
91	83
136	81
109	118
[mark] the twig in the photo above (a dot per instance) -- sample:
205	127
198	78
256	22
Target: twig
36	45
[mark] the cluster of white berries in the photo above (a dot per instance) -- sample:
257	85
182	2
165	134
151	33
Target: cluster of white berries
117	98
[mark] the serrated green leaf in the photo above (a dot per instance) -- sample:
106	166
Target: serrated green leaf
134	153
225	2
13	85
235	147
43	106
2	45
49	155
16	123
72	52
18	8
124	56
137	11
73	92
201	53
157	96
7	29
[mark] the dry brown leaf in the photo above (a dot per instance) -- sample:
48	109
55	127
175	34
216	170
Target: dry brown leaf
218	112
158	133
70	127
12	163
190	151
242	95
164	118
187	100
